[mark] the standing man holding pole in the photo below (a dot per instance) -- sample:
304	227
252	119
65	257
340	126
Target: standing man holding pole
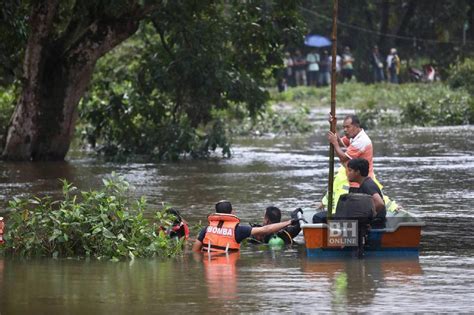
356	142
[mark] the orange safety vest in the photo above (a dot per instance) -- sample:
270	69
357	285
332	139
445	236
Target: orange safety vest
220	233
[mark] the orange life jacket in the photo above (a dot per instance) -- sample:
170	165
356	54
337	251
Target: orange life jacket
220	233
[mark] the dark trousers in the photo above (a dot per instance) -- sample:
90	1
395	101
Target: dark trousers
320	217
313	78
347	74
393	76
378	75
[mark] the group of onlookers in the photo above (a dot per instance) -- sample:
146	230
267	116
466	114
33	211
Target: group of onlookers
392	65
314	69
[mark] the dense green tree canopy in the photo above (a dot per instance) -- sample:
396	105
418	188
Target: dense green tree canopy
159	91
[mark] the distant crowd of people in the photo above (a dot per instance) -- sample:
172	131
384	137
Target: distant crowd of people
314	69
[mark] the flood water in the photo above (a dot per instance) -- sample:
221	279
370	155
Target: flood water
429	171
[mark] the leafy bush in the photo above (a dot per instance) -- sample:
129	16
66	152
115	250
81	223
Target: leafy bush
461	75
105	224
371	116
441	108
418	104
282	121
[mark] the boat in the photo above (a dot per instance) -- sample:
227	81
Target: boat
400	237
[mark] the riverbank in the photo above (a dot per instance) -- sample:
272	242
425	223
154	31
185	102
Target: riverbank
412	104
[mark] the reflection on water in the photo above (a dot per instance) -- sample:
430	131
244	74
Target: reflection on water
429	171
259	280
221	274
357	282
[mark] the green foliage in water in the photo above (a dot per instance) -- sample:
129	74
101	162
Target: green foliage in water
276	119
461	75
279	121
418	105
386	104
104	224
436	105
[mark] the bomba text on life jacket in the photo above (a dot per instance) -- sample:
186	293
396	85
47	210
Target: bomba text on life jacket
220	231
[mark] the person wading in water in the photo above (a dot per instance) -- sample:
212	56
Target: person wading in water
224	232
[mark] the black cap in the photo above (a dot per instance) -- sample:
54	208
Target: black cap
223	206
176	214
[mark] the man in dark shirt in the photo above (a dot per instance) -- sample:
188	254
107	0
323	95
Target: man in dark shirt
273	215
358	171
377	65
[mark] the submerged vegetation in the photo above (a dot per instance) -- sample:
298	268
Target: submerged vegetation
462	75
104	224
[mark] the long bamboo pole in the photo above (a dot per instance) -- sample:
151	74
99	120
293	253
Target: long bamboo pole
333	108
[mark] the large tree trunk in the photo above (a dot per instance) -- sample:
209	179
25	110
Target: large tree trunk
55	79
43	121
22	133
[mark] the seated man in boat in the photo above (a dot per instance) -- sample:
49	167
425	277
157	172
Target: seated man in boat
357	172
224	232
284	236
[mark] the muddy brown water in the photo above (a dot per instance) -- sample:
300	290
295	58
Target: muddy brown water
429	171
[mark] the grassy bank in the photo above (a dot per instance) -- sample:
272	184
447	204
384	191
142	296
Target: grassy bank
388	104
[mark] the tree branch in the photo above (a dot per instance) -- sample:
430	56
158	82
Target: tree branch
105	33
100	37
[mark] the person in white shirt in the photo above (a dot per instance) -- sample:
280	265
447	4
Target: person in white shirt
393	66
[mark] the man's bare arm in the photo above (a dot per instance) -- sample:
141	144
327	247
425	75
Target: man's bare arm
378	201
334	139
269	229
